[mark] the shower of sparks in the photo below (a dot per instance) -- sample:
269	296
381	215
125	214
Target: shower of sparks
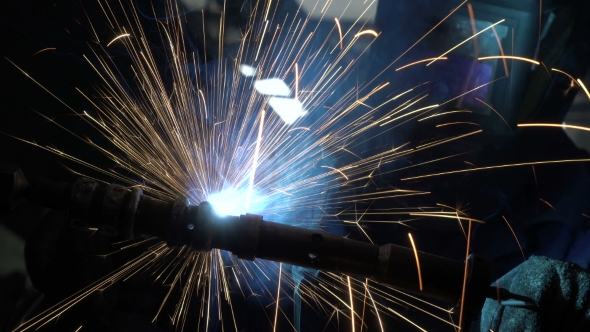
417	260
220	141
156	253
117	38
509	57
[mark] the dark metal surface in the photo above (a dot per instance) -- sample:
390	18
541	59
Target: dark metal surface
117	211
13	188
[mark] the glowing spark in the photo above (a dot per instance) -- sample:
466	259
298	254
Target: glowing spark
498	113
544	201
509	57
465	275
366	32
43	50
440	215
417	260
204	103
447	140
444	113
339	31
272	86
255	160
337	170
299	128
515	237
79	328
374	305
351	304
278	295
463	42
501	51
118	37
420	61
429	31
583	87
296	81
412	112
499	166
247	71
262	39
554	125
406	319
566	74
454	123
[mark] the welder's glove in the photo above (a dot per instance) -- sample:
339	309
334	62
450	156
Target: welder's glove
560	291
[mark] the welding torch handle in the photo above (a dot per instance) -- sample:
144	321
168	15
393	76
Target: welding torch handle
116	210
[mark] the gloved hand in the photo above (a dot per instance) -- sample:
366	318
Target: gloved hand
560	291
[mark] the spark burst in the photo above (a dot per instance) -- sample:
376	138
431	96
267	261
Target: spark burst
212	135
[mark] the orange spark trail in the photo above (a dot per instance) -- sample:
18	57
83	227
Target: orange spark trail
544	201
466	40
420	61
499	166
351	306
374	305
515	237
417	260
454	123
501	51
465	276
509	57
255	161
296	81
554	125
426	34
337	170
367	32
566	74
278	295
498	113
118	37
339	31
43	50
583	87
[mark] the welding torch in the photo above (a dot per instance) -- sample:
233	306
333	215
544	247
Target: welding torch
115	210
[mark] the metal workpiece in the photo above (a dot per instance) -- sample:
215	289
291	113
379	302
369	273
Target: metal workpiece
316	249
115	210
13	188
